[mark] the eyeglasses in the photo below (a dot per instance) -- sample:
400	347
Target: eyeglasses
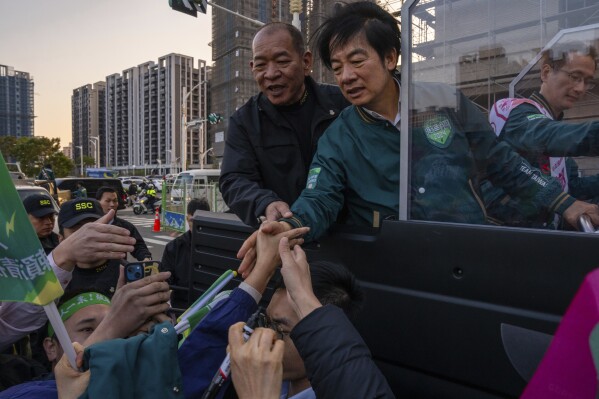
267	322
577	78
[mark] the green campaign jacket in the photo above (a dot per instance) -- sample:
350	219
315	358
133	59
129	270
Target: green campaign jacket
143	366
356	167
536	138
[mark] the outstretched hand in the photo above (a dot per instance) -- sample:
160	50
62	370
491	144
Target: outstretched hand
132	306
92	243
256	365
277	210
579	208
248	251
296	274
71	383
267	260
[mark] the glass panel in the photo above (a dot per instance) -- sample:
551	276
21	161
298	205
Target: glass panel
461	57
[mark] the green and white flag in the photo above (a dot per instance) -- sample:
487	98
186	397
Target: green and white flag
25	273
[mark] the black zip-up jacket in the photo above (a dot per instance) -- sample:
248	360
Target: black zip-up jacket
338	362
263	162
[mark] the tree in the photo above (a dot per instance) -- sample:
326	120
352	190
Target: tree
61	164
7	145
87	162
34	152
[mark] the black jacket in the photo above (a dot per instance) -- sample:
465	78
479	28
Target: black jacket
140	249
338	362
176	259
262	162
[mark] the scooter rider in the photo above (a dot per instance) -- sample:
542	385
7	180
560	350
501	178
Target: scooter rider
151	198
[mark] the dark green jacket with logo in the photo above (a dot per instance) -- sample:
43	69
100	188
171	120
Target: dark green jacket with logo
536	138
356	166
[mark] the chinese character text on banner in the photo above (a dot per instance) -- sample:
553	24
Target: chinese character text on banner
25	273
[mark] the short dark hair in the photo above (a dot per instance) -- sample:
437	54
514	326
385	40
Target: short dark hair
557	56
380	28
334	284
296	36
197	204
104	189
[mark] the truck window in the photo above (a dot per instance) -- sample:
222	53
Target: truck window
461	58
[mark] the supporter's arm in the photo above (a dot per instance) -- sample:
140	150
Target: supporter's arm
542	135
93	241
240	179
332	350
131	306
140	251
582	188
205	348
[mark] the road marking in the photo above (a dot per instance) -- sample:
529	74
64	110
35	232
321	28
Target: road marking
157	242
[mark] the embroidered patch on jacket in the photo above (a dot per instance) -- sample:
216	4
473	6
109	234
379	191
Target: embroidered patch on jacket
438	131
312	178
535	116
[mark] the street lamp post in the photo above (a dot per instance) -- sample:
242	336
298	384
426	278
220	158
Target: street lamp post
169	160
95	151
96	142
81	158
184	125
203	156
159	166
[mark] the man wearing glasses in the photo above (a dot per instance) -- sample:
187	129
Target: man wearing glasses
534	128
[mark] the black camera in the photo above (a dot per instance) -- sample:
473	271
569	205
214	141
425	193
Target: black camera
137	270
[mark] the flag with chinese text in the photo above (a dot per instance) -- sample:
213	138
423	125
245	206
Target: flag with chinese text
25	273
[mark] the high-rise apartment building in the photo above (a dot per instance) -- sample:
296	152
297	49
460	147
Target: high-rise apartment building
144	114
89	122
16	102
232	83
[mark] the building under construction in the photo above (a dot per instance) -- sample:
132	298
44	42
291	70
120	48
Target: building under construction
232	83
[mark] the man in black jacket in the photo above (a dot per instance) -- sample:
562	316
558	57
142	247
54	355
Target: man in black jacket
272	138
107	196
177	256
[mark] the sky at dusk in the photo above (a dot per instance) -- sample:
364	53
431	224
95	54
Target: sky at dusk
66	44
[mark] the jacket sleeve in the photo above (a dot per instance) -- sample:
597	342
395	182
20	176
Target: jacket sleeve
338	362
205	348
583	188
241	181
140	249
530	132
167	264
506	169
322	199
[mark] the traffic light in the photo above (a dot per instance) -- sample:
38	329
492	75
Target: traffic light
201	5
189	7
213	118
184	6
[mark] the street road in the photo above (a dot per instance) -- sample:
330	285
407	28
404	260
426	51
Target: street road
144	224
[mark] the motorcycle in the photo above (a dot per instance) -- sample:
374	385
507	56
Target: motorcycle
139	205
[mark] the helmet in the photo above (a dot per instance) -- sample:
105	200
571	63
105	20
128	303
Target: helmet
150	185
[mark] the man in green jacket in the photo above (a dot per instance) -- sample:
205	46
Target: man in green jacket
534	128
356	166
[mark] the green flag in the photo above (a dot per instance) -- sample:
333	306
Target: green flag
25	273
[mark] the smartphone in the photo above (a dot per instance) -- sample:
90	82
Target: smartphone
137	270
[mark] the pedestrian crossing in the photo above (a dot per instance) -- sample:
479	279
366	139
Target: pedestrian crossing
141	221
